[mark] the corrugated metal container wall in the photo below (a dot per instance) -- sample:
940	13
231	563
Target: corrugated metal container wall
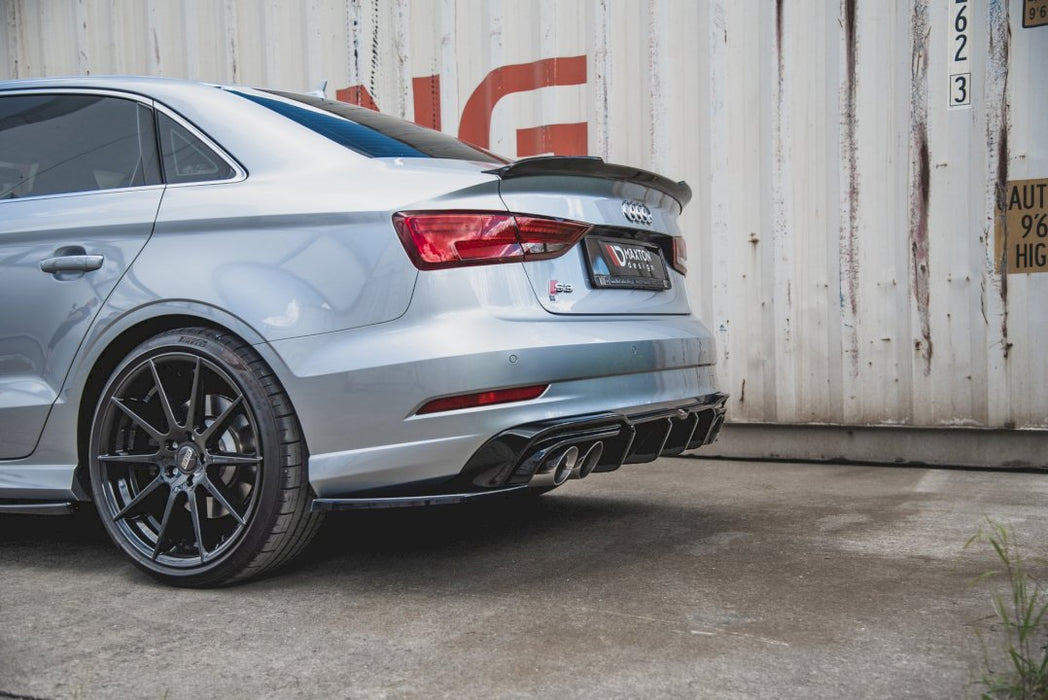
846	158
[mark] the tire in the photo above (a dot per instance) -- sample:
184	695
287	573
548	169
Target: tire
197	461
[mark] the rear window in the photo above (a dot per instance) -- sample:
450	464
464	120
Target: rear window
368	132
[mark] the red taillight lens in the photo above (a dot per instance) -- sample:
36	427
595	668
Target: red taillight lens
680	256
483	398
547	238
440	239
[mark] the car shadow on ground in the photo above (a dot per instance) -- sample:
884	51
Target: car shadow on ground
554	529
532	536
81	529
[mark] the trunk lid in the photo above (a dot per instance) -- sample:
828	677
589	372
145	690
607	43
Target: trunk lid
624	264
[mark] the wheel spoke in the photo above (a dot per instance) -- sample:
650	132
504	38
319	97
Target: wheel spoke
165	402
194	514
137	500
138	420
149	460
222	420
164	522
194	398
221	460
223	501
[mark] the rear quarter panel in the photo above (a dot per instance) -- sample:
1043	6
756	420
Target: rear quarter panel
297	252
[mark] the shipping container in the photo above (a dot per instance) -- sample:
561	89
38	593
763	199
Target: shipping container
868	234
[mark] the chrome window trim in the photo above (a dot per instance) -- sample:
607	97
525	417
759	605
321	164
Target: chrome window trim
240	173
82	193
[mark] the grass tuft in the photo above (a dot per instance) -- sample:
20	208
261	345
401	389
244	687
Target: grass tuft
1021	611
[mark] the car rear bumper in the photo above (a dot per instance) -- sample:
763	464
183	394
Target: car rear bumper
528	455
357	392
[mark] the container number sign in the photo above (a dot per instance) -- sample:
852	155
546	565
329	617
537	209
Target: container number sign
1022	227
959	62
1035	13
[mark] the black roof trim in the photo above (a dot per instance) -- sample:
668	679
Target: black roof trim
592	166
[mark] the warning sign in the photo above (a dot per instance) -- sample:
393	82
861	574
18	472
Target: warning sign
1021	237
1035	13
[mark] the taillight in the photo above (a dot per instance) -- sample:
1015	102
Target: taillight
483	398
680	256
439	239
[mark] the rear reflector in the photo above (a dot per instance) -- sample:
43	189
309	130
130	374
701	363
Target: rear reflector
680	256
441	239
483	398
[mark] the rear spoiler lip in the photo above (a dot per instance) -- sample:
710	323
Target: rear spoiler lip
592	166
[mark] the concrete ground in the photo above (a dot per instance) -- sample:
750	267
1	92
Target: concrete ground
682	578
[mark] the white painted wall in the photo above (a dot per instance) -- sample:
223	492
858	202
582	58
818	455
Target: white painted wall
840	289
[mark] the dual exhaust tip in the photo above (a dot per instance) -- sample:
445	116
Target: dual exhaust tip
569	462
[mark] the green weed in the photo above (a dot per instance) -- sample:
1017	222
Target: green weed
1021	613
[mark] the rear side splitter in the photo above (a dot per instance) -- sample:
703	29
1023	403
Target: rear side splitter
444	499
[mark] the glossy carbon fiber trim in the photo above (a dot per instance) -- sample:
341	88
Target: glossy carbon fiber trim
328	504
592	166
37	507
514	456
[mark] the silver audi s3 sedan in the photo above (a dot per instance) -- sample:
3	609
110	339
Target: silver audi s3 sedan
225	311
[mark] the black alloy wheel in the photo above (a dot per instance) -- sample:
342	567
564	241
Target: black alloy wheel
198	466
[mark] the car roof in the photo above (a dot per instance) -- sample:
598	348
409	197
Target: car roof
238	125
100	81
152	86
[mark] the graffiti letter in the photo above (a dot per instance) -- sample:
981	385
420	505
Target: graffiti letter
356	95
427	101
561	139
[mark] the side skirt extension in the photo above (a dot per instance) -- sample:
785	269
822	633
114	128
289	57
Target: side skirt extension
38	507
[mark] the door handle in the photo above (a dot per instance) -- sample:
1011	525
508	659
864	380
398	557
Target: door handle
72	259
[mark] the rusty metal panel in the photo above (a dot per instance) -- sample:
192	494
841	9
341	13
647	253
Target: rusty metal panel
848	158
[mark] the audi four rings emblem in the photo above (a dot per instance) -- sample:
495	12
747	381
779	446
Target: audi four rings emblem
637	212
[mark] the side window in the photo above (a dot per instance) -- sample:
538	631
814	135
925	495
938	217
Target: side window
187	158
54	144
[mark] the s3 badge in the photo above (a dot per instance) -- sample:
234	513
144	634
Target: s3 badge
556	288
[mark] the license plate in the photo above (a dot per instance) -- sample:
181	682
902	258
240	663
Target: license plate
616	264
